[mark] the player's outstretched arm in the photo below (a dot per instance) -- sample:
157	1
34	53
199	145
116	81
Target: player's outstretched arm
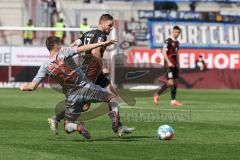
76	43
29	86
95	45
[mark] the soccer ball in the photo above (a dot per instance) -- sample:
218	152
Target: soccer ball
165	132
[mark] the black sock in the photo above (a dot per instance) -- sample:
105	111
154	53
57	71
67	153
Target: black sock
162	89
119	121
174	92
60	116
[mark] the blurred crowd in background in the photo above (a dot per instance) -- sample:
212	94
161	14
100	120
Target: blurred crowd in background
133	27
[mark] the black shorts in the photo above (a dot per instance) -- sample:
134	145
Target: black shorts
172	73
103	80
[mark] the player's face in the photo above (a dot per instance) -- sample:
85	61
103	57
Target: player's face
57	46
176	33
107	26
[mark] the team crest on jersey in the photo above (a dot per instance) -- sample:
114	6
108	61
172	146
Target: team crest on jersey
100	39
173	44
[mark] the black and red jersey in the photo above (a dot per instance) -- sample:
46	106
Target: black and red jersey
93	36
92	63
172	47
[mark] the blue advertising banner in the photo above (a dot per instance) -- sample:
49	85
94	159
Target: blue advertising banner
196	34
169	14
188	15
222	1
151	1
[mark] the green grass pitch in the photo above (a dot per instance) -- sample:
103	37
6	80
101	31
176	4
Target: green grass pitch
206	127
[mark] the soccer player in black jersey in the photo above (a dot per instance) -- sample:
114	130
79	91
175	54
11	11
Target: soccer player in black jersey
93	58
170	53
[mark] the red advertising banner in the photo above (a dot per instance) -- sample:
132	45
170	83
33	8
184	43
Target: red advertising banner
223	66
214	59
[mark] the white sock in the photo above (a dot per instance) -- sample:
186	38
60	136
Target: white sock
114	104
71	127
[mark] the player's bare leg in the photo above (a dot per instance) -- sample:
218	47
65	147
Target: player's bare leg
86	107
174	102
163	88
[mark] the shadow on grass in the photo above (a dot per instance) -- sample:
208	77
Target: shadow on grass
117	139
105	139
191	104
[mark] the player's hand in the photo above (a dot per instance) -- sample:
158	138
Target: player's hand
86	107
76	43
22	87
170	64
110	42
105	71
28	87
